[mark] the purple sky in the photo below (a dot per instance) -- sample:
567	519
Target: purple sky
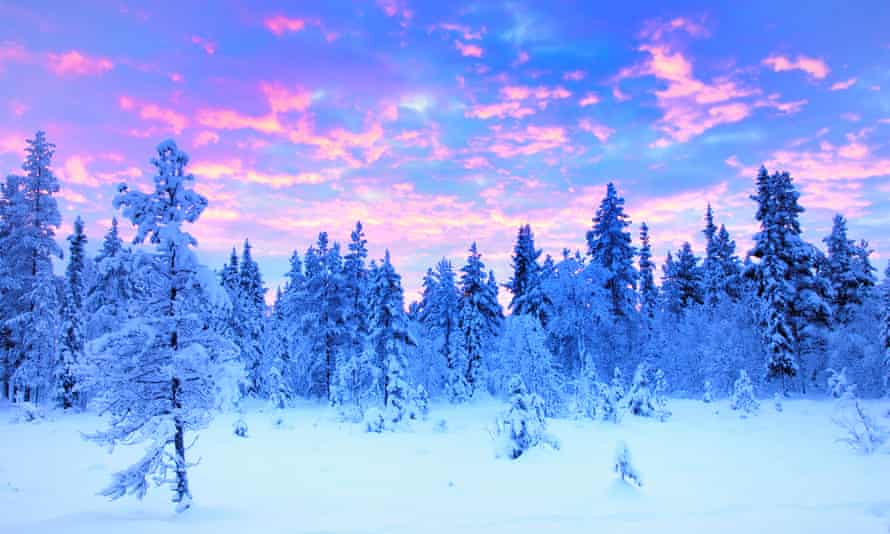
445	122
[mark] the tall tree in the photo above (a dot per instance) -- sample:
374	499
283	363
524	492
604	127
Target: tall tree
648	291
609	246
528	298
110	293
162	371
847	269
72	346
682	282
251	315
480	317
31	308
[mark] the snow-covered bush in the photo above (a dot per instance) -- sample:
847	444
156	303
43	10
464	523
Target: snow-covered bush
374	420
743	399
522	426
860	430
777	401
524	351
624	466
838	385
239	428
28	412
708	395
419	408
645	398
441	426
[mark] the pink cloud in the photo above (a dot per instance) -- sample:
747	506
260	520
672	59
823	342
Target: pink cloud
207	45
574	75
74	63
468	50
476	162
658	29
176	77
282	100
521	59
600	131
842	85
229	119
14	52
531	140
206	138
589	100
814	67
280	24
787	108
465	32
397	8
154	112
512	109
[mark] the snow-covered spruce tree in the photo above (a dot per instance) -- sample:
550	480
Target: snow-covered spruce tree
609	246
682	280
108	297
624	466
708	395
646	395
162	370
357	383
251	320
439	316
848	270
522	426
720	267
742	398
885	327
30	308
524	353
355	286
525	285
71	348
390	337
480	317
648	291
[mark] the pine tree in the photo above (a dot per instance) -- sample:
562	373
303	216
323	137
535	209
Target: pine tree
528	298
480	317
390	337
609	246
31	218
648	291
440	316
682	280
720	267
162	371
72	343
251	311
109	296
885	326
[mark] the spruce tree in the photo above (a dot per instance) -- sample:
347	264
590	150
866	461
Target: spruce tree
72	343
251	319
528	298
682	280
648	291
108	298
480	317
162	372
609	246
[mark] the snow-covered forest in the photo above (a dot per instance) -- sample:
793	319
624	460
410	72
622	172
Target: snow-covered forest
156	343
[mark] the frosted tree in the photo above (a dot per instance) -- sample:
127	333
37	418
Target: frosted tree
720	267
250	320
522	426
390	337
162	372
524	353
609	246
71	350
743	399
355	285
648	291
682	280
885	327
848	270
525	285
440	314
30	219
480	316
108	298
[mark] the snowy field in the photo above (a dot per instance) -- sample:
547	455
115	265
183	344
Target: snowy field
705	470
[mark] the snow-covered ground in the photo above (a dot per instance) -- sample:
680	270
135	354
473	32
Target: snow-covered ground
705	470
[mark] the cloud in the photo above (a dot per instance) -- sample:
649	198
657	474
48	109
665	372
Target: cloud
207	45
74	63
233	168
531	140
205	138
842	85
513	109
589	99
468	50
153	112
600	131
283	100
230	119
574	75
280	24
814	67
465	32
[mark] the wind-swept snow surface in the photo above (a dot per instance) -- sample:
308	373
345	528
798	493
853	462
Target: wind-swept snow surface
706	470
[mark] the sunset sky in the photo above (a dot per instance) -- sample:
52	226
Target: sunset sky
440	123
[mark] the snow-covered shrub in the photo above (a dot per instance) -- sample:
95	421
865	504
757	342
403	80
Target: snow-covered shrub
644	398
441	426
708	395
419	408
860	430
240	428
522	426
524	352
355	385
374	420
837	383
777	401
624	466
743	398
28	412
